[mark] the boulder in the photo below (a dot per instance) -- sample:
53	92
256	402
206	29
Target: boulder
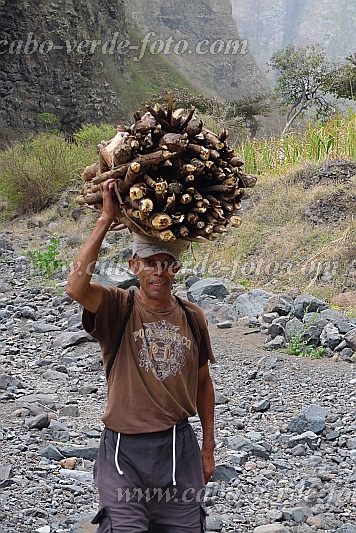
341	321
277	304
250	303
306	303
207	287
350	339
293	328
330	336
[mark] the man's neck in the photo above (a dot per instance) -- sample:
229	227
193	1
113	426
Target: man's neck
156	305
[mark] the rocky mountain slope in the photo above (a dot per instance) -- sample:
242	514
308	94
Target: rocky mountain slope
227	74
270	25
82	60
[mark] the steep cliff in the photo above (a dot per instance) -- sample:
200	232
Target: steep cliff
87	61
216	60
269	25
46	67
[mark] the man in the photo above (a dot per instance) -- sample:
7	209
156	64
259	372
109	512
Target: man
150	472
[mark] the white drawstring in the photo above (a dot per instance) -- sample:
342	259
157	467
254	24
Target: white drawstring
174	455
117	455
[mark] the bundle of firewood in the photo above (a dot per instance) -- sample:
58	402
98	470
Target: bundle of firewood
173	177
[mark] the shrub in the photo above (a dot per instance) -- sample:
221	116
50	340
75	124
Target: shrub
33	173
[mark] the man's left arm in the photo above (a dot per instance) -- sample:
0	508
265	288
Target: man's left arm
205	407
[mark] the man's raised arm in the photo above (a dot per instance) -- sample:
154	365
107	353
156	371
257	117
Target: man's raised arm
79	286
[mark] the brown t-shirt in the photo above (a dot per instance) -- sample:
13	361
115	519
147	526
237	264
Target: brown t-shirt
154	379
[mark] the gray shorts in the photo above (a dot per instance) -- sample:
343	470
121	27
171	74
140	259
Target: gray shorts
136	477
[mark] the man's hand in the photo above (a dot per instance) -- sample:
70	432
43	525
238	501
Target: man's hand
208	461
111	207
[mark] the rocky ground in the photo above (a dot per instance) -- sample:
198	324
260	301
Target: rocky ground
285	426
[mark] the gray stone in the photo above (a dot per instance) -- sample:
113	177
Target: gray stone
224	325
55	431
346	528
275	343
271	528
346	354
214	523
5	472
242	444
191	280
306	303
350	339
277	304
274	330
38	422
88	389
293	328
4	287
9	381
224	473
250	303
69	410
69	338
268	318
209	287
309	438
340	346
297	514
78	475
311	419
330	336
51	452
6	245
53	375
85	452
351	444
43	327
341	321
220	398
261	406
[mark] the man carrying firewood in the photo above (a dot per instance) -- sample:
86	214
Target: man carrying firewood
150	472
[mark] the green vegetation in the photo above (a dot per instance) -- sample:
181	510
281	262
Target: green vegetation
47	263
336	138
307	81
35	172
299	346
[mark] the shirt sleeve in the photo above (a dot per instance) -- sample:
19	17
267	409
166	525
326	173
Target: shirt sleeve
104	324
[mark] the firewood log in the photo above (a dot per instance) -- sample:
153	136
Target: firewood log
90	172
213	139
160	221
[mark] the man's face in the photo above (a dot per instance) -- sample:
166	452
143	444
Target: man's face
156	274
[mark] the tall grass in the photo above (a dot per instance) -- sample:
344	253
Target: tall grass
335	139
34	172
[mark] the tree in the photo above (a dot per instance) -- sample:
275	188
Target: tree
235	115
305	78
345	79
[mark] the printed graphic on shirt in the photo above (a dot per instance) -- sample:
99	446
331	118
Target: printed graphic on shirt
162	349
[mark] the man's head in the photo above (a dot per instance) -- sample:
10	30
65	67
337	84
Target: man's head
156	263
144	247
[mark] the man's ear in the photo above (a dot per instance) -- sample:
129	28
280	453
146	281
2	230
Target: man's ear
135	266
132	265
